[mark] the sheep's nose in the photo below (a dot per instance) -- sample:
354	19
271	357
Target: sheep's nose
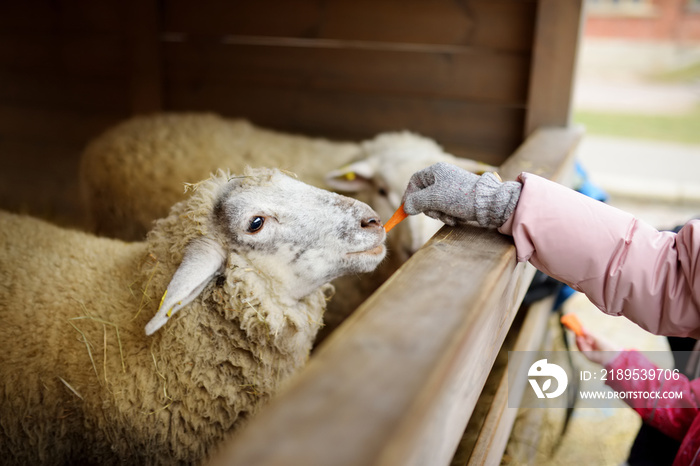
371	222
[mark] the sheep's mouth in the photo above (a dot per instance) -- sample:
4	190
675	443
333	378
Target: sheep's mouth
375	251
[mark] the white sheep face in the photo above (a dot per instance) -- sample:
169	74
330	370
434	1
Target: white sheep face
299	236
302	235
383	172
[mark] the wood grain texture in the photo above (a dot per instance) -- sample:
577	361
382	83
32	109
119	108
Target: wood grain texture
455	71
479	75
39	178
56	125
490	130
52	91
61	16
397	382
557	32
144	51
88	55
497	424
499	24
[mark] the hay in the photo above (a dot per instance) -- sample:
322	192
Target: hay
165	387
75	392
88	344
104	323
145	298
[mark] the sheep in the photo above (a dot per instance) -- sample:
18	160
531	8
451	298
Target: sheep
382	173
133	171
239	274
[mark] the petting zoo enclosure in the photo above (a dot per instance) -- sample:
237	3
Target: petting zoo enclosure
398	382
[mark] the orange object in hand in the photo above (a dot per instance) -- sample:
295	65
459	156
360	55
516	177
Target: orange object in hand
395	219
571	322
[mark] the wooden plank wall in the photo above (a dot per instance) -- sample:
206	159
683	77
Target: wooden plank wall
476	75
457	71
558	29
397	383
63	78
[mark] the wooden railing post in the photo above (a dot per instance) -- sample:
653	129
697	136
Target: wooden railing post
397	382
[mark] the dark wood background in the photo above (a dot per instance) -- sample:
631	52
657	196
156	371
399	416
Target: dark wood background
461	72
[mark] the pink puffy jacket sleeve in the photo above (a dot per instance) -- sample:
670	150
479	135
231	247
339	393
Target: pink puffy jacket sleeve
624	266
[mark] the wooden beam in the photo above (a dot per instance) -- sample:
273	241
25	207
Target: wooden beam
555	48
492	132
441	72
397	382
493	437
501	25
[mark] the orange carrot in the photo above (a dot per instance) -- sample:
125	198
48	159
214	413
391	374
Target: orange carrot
395	219
571	322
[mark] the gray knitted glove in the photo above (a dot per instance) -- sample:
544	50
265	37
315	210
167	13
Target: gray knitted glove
453	195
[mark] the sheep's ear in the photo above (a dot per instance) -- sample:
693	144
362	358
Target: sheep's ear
351	178
203	259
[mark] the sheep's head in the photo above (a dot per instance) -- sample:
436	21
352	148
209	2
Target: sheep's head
299	236
382	172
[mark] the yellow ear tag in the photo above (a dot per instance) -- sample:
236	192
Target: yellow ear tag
350	176
170	311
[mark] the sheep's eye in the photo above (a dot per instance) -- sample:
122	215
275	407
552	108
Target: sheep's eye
382	192
256	224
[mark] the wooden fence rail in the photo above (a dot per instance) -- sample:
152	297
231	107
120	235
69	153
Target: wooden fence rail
397	382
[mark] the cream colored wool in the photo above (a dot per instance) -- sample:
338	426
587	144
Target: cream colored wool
81	383
133	172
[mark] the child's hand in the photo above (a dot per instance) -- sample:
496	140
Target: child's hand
453	195
597	349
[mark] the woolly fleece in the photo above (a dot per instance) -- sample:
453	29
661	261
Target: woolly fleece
81	383
133	172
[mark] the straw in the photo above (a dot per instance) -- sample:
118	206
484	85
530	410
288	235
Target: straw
75	392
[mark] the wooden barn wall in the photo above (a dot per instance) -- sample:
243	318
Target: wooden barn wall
457	71
64	77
